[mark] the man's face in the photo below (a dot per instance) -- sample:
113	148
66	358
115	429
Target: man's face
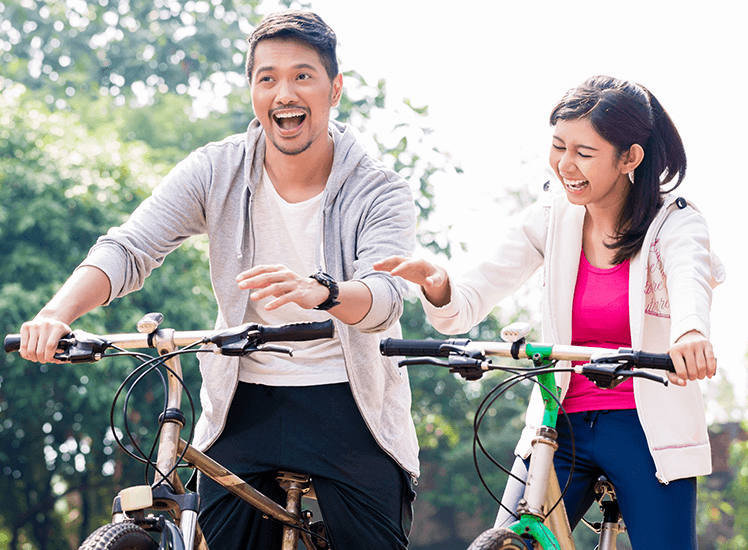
292	94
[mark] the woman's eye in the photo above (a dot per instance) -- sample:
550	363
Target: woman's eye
584	156
558	147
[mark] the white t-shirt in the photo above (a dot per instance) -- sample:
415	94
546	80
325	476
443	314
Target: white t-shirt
287	234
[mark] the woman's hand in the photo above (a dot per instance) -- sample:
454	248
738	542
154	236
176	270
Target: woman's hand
693	357
433	280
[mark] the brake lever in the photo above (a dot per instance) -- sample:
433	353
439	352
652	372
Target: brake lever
81	347
467	367
238	341
470	369
610	375
422	361
272	348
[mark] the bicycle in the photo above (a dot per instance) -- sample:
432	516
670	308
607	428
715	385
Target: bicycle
174	523
541	519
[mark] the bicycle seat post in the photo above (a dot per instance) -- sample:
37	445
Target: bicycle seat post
611	524
295	485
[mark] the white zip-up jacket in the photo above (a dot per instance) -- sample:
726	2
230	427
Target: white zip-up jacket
670	290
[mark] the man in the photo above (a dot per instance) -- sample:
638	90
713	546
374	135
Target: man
294	196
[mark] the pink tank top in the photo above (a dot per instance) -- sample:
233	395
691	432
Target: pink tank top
600	318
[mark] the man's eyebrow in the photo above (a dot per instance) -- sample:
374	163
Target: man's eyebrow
270	68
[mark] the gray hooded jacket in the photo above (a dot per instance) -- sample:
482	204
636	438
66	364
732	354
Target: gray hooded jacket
368	215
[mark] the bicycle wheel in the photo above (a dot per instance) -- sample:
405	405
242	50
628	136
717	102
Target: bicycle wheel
119	536
498	539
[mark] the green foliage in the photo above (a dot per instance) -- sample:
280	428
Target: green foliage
724	513
60	187
105	47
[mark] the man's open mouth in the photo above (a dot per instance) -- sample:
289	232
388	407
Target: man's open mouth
288	120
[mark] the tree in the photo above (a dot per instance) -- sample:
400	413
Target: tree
60	187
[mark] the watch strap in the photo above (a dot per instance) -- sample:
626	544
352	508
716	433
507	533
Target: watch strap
327	281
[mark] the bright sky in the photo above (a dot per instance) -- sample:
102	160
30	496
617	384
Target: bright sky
491	70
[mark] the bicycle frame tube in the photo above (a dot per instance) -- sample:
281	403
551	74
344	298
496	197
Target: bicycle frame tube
168	449
551	531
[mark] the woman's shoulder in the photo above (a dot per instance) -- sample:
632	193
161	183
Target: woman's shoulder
677	210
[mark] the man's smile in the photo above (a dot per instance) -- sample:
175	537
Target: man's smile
288	120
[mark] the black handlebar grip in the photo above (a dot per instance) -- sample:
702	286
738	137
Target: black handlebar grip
645	360
12	343
419	348
297	332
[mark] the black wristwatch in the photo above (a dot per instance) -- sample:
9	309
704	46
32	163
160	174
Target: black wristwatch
327	281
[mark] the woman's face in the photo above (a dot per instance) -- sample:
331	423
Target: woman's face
588	166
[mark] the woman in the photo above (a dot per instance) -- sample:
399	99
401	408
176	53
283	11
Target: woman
625	264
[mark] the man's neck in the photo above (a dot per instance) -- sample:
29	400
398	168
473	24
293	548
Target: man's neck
300	177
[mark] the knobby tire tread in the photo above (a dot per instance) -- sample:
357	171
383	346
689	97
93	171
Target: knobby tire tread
119	536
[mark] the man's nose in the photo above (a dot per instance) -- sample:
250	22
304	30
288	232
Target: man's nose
286	93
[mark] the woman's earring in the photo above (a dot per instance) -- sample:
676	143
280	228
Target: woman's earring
631	177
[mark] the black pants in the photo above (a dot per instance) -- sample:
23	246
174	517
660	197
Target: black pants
364	496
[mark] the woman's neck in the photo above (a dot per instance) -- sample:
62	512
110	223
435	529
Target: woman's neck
600	228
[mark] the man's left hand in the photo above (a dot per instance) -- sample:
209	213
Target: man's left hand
284	285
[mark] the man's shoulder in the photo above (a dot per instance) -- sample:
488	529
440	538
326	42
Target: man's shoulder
228	144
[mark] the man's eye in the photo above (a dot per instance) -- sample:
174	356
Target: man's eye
304	76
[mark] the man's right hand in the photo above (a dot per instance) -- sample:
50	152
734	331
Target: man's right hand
87	288
40	337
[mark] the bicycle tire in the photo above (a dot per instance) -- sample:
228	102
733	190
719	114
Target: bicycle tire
498	538
119	536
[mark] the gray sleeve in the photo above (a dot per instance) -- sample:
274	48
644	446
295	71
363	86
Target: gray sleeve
387	228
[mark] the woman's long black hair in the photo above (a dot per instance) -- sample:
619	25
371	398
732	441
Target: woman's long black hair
624	113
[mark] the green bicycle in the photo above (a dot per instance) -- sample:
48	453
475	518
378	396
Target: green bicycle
540	517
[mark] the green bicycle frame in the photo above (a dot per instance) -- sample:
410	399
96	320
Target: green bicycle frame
532	524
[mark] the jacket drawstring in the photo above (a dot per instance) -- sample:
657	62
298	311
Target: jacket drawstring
243	229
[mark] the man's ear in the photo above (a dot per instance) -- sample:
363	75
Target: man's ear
632	158
337	90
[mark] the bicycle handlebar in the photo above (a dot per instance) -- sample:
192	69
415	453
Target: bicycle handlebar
428	348
443	348
232	341
12	343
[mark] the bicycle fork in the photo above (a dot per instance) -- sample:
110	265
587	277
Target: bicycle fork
542	491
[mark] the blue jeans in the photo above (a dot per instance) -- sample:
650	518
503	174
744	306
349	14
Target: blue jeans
612	443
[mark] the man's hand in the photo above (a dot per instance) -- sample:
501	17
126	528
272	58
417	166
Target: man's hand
40	337
284	285
693	357
87	288
433	280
